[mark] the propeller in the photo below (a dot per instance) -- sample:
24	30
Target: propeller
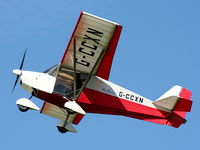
18	72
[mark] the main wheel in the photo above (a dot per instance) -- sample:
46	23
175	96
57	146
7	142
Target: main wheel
23	108
62	129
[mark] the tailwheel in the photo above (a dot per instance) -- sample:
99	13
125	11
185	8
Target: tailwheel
62	129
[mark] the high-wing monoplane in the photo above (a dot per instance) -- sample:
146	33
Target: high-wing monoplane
79	83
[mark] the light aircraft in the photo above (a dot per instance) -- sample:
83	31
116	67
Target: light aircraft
79	83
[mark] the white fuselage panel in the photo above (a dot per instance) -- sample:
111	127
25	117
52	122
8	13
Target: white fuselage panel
107	87
37	80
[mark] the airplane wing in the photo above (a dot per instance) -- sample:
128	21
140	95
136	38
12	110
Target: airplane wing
96	41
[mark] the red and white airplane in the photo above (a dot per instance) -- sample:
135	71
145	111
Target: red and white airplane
79	83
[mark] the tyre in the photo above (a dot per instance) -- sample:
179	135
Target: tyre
23	108
62	129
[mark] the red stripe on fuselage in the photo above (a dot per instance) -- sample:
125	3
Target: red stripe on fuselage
52	98
98	102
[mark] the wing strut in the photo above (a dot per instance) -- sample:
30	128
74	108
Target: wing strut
72	106
74	58
91	73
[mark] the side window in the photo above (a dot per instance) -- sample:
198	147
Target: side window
64	82
63	87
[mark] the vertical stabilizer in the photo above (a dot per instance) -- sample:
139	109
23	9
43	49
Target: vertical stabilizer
176	101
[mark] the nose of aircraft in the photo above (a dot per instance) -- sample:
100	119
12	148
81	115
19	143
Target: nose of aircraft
17	72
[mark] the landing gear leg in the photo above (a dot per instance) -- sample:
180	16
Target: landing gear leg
65	126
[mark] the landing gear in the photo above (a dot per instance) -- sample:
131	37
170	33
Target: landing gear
23	108
25	104
62	129
71	108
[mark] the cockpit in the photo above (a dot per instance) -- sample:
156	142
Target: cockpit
65	80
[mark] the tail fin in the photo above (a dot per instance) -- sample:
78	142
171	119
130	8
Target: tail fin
177	101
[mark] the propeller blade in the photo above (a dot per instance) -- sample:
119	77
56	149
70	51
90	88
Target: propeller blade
21	66
22	62
15	83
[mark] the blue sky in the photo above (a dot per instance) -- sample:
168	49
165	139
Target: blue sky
159	47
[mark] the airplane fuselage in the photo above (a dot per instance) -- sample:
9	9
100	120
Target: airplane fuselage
99	96
104	97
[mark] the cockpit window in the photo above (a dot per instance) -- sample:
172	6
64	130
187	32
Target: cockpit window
65	80
52	71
